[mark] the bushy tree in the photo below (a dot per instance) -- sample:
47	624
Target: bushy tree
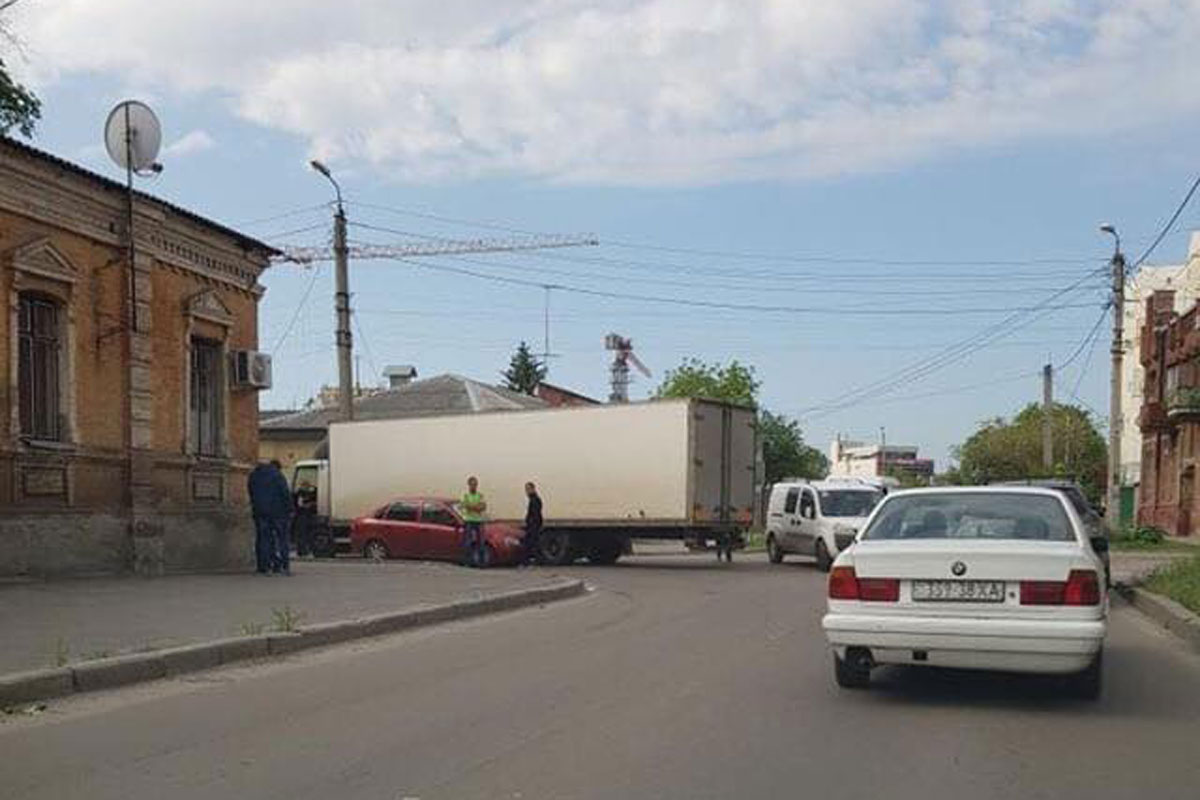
524	371
1012	450
785	454
733	383
19	107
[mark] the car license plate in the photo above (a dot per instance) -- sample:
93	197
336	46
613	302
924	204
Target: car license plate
959	591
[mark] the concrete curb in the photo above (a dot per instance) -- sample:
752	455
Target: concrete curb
108	673
1166	612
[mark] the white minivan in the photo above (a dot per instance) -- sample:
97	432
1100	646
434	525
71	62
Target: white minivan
817	518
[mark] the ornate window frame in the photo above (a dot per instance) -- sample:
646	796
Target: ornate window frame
40	268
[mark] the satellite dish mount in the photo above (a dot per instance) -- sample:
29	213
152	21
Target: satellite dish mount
133	136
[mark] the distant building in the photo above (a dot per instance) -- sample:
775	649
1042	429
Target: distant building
858	460
296	436
558	396
1183	281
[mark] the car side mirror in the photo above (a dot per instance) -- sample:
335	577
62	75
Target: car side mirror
1100	544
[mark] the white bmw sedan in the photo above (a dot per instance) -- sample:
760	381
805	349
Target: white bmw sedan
991	578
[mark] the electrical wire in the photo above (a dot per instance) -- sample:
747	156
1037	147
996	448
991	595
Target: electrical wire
299	307
295	212
712	304
1187	198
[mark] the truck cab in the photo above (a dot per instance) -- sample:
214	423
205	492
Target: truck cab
330	536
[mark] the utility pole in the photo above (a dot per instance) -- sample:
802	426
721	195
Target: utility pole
341	258
1115	418
1047	410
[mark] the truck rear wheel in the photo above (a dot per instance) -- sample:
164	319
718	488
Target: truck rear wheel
606	552
556	548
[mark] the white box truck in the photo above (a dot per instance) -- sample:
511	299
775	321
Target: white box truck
665	469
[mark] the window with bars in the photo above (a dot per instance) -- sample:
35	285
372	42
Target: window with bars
39	345
207	400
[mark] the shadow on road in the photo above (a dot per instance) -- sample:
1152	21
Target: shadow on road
1128	691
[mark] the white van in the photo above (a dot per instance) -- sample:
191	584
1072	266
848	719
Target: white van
817	518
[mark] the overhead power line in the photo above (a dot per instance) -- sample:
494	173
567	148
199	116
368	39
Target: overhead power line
874	310
1187	198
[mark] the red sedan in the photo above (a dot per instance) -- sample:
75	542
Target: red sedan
431	529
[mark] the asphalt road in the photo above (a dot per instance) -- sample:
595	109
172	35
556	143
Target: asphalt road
675	678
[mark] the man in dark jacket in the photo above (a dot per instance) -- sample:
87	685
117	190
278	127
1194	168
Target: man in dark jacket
533	524
271	501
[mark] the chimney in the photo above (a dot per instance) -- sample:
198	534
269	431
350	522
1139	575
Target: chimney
399	375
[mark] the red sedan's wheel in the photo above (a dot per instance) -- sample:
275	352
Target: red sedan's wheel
375	550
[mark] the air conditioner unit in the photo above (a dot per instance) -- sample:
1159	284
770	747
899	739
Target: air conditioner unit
251	369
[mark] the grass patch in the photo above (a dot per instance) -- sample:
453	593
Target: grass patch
251	629
1146	538
286	620
1179	581
756	540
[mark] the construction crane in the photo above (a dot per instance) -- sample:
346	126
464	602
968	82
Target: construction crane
342	251
434	247
622	350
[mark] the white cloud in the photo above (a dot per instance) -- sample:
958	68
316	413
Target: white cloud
646	91
192	142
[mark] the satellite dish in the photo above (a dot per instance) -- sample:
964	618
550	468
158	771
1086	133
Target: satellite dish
133	136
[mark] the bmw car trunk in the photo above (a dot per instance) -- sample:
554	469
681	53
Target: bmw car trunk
944	578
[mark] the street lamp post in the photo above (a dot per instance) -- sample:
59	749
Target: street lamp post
1115	418
345	343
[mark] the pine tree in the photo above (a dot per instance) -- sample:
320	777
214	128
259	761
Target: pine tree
524	371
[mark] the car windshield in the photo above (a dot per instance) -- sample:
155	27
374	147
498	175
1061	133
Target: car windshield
848	502
972	515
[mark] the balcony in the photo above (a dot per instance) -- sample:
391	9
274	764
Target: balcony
1184	405
1153	417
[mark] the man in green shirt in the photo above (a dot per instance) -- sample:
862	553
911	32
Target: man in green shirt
473	508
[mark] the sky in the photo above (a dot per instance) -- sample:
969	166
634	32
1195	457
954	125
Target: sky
889	208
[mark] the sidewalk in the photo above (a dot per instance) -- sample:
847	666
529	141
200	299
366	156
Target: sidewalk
47	624
1132	567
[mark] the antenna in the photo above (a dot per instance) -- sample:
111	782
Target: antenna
133	137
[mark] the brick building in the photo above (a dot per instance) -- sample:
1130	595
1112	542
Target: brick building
122	446
1170	417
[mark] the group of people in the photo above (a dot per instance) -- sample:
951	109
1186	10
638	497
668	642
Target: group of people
474	510
276	508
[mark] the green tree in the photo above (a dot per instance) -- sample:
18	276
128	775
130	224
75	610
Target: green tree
734	382
524	371
1012	450
785	454
19	107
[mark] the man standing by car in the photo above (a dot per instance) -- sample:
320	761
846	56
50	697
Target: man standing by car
302	523
473	509
270	501
533	524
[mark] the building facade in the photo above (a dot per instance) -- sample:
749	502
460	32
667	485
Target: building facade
1170	416
125	439
871	461
1184	281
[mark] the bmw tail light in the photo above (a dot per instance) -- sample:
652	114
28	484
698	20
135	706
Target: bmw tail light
843	584
879	590
1083	588
1042	593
